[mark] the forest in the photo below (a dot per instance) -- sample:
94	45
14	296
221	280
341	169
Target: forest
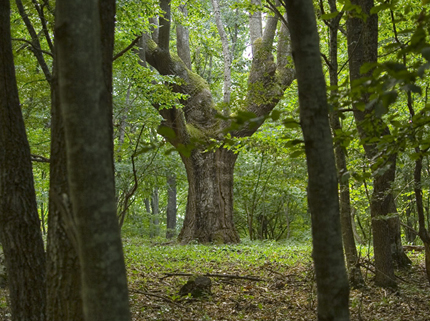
214	160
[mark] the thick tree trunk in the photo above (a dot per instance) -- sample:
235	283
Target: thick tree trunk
84	34
362	48
331	277
63	285
171	206
210	193
20	232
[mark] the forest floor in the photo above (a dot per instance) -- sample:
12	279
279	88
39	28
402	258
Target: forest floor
286	288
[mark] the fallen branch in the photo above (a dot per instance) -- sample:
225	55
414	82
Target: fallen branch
228	276
166	299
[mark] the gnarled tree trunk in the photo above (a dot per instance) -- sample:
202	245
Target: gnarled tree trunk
210	197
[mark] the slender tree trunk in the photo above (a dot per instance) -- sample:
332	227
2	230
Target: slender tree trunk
20	232
155	212
210	180
171	206
63	283
84	34
354	273
332	281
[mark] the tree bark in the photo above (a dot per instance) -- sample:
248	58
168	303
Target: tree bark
197	123
171	206
63	285
210	193
84	31
332	281
354	272
20	232
363	47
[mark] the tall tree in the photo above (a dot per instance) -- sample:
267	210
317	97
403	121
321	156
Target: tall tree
354	272
362	35
209	214
20	232
84	35
332	281
63	278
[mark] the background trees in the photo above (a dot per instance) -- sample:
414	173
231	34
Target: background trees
211	133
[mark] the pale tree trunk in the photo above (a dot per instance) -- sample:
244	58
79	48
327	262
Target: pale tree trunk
183	40
209	209
332	281
354	272
226	53
84	35
20	232
171	206
155	226
255	25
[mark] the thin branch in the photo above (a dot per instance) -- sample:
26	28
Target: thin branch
131	192
35	41
33	46
39	9
122	52
166	299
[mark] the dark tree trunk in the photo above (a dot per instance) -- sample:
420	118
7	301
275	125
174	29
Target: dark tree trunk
171	206
331	277
63	271
362	48
210	179
20	232
354	273
84	34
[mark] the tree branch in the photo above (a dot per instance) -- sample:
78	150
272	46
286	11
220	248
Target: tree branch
35	41
131	45
32	45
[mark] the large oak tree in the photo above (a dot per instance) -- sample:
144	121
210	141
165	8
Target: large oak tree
209	213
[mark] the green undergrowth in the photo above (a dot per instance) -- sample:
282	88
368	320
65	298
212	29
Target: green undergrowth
201	259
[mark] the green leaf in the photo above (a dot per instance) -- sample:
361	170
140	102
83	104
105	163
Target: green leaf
275	114
297	153
379	8
166	132
291	123
412	88
329	16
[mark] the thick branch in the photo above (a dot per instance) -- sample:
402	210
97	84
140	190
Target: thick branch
225	51
183	40
164	22
255	24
